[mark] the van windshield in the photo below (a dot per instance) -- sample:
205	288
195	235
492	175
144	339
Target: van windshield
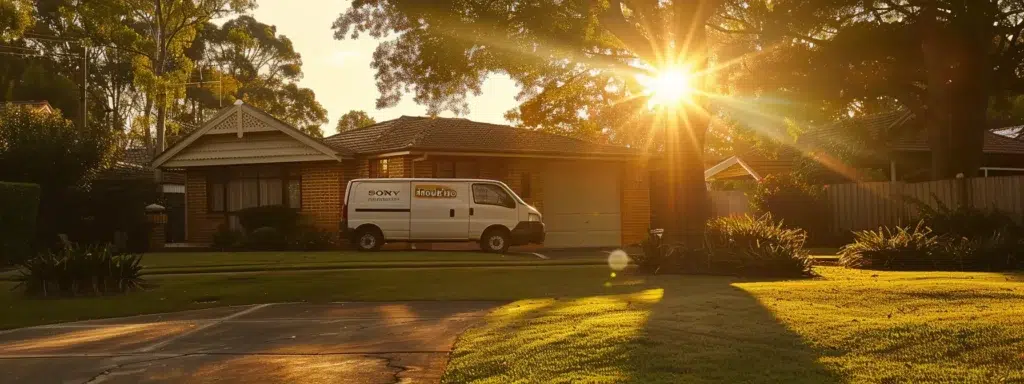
513	193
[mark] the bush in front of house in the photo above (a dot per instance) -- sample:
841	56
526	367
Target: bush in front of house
19	207
310	238
741	246
80	270
279	217
756	246
227	239
265	239
966	221
795	202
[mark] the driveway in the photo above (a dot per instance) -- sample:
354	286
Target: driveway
399	342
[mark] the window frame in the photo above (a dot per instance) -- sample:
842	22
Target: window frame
512	201
455	168
223	176
375	166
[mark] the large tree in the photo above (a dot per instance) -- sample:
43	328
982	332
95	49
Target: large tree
956	64
577	62
354	119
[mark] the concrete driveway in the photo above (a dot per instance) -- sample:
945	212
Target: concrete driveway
400	342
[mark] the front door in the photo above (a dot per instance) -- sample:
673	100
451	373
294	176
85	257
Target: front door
491	205
440	211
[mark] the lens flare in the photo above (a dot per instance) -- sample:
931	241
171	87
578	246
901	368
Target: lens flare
618	260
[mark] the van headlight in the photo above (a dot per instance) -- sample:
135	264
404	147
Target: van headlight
533	217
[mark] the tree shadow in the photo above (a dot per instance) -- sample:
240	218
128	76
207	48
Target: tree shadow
706	330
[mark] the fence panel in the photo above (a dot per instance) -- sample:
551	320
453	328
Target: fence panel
871	205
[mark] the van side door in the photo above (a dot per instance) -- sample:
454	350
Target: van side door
491	205
440	210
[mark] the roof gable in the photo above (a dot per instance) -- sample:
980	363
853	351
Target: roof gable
242	134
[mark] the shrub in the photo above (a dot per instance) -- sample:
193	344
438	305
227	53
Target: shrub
899	248
19	207
309	238
756	246
227	239
266	239
965	221
741	246
279	217
78	270
794	202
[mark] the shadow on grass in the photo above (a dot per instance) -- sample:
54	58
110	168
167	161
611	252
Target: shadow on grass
667	329
706	330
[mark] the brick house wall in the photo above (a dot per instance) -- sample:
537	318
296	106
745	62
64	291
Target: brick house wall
636	202
200	223
323	186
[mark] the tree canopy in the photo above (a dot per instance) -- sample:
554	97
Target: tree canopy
354	119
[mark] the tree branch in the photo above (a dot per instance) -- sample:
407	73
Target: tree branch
615	22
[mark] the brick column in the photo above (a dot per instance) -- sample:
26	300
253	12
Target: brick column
157	224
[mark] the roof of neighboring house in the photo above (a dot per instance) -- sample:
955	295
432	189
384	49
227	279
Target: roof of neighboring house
461	135
37	105
134	164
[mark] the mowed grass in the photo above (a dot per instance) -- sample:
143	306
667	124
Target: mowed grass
846	327
571	324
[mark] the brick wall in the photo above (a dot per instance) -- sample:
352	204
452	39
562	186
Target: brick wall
201	225
323	187
636	202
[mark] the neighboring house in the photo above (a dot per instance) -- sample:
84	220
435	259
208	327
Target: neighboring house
135	164
893	142
35	105
591	195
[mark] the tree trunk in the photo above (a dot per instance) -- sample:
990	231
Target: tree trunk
686	130
146	114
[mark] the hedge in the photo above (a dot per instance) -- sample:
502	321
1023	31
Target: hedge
19	207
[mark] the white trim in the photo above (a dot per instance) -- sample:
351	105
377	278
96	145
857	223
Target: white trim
252	160
255	113
389	154
173	188
728	163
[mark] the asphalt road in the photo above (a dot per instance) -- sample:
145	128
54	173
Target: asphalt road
400	342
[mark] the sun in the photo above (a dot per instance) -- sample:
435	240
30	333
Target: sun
667	88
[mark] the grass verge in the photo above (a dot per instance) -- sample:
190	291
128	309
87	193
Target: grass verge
582	324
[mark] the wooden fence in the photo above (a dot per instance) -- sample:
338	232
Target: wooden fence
863	206
871	205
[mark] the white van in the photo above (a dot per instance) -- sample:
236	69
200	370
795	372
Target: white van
438	210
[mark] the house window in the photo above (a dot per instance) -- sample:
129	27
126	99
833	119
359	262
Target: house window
237	188
379	168
490	194
525	186
449	169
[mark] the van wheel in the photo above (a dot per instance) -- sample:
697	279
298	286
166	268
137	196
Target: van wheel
495	240
369	239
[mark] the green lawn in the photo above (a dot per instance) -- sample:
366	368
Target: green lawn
582	324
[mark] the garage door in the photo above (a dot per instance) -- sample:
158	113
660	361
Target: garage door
581	205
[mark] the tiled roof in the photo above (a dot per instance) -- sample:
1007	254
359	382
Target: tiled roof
134	163
461	135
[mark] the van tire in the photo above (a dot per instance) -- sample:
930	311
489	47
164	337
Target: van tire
495	240
369	239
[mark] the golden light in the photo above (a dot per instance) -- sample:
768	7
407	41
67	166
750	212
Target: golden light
667	88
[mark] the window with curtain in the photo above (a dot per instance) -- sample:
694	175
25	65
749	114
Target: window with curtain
379	168
238	188
449	169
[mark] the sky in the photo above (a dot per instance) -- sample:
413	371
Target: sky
339	70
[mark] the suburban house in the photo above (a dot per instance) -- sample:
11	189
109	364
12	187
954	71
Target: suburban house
591	195
892	142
